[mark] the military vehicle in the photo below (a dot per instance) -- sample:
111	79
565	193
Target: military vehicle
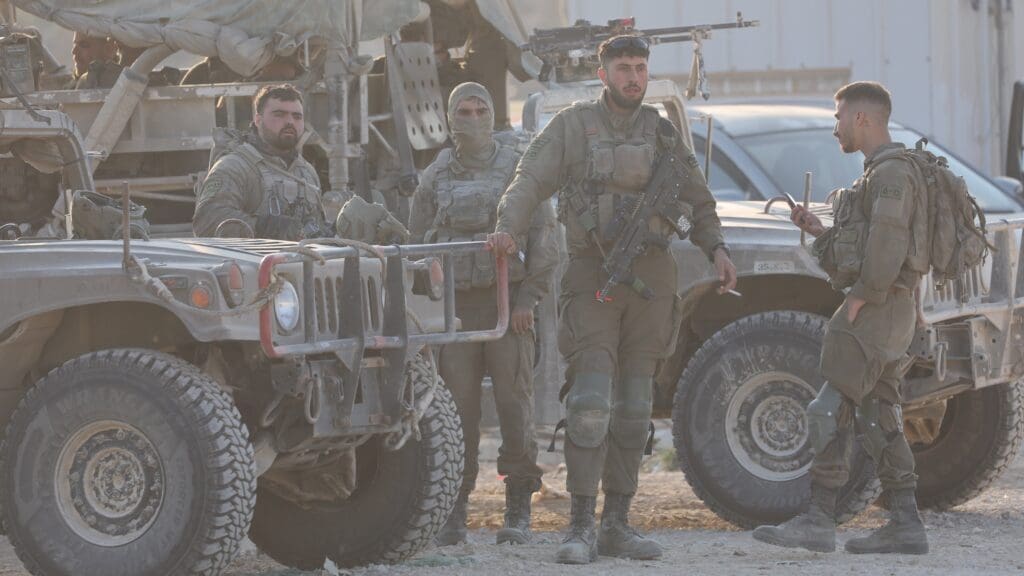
746	367
162	399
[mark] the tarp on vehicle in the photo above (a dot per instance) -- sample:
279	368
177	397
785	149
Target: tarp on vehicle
509	20
245	34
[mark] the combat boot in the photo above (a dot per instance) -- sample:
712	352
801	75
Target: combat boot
814	529
517	514
580	544
904	534
454	530
617	538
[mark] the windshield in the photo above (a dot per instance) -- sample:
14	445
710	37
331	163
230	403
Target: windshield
786	156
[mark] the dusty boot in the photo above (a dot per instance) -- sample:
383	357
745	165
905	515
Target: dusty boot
904	534
814	529
517	514
617	538
580	544
454	530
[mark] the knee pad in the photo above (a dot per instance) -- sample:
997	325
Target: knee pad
823	417
588	409
631	415
868	416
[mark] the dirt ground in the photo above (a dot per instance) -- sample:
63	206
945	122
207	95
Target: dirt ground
985	536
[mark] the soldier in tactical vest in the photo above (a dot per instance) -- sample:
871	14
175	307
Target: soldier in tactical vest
596	155
263	181
876	252
457	200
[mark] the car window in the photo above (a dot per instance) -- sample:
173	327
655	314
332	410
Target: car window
786	156
726	181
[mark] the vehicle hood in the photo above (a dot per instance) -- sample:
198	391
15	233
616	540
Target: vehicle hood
746	222
71	257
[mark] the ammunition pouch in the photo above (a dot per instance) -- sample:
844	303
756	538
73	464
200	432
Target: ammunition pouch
840	250
476	269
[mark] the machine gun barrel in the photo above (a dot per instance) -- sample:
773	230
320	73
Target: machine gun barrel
689	30
571	51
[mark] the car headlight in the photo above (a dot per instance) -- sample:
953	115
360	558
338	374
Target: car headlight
286	307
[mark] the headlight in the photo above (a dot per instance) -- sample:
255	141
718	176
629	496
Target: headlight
286	307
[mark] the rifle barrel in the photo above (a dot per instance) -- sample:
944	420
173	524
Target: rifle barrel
689	29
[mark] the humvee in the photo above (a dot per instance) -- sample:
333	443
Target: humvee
163	399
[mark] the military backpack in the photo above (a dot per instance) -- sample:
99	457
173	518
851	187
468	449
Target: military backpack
956	223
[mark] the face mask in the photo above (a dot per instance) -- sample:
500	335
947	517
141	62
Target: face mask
472	134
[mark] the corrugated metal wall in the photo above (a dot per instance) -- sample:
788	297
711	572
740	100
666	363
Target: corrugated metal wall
940	58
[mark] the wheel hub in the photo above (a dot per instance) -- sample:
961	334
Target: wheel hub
767	426
110	484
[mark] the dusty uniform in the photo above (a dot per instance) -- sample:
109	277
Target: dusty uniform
279	198
613	348
458	202
877	251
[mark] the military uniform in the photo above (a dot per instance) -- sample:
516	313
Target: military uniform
277	197
613	348
457	200
459	203
877	251
873	251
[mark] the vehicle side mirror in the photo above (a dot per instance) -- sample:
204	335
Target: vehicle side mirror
1011	186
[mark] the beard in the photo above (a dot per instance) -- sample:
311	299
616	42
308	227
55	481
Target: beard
286	139
623	101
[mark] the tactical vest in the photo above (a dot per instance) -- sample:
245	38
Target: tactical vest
613	169
284	193
842	249
467	207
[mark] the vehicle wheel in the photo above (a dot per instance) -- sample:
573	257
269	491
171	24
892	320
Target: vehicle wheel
979	437
126	462
740	425
401	500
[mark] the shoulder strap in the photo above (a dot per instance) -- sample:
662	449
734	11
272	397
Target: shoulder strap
651	119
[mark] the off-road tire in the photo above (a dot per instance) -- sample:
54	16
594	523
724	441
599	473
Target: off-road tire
400	502
979	437
752	475
144	444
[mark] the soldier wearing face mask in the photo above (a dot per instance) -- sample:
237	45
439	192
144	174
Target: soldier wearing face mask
457	200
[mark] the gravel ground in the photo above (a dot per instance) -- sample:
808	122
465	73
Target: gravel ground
984	536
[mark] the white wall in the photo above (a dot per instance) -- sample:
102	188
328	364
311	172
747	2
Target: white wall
938	57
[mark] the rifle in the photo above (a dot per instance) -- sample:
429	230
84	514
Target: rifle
571	51
630	227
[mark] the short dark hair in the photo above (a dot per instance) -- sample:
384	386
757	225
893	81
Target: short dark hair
866	91
282	92
623	45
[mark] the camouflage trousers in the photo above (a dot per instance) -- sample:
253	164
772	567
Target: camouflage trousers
509	363
860	362
613	350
